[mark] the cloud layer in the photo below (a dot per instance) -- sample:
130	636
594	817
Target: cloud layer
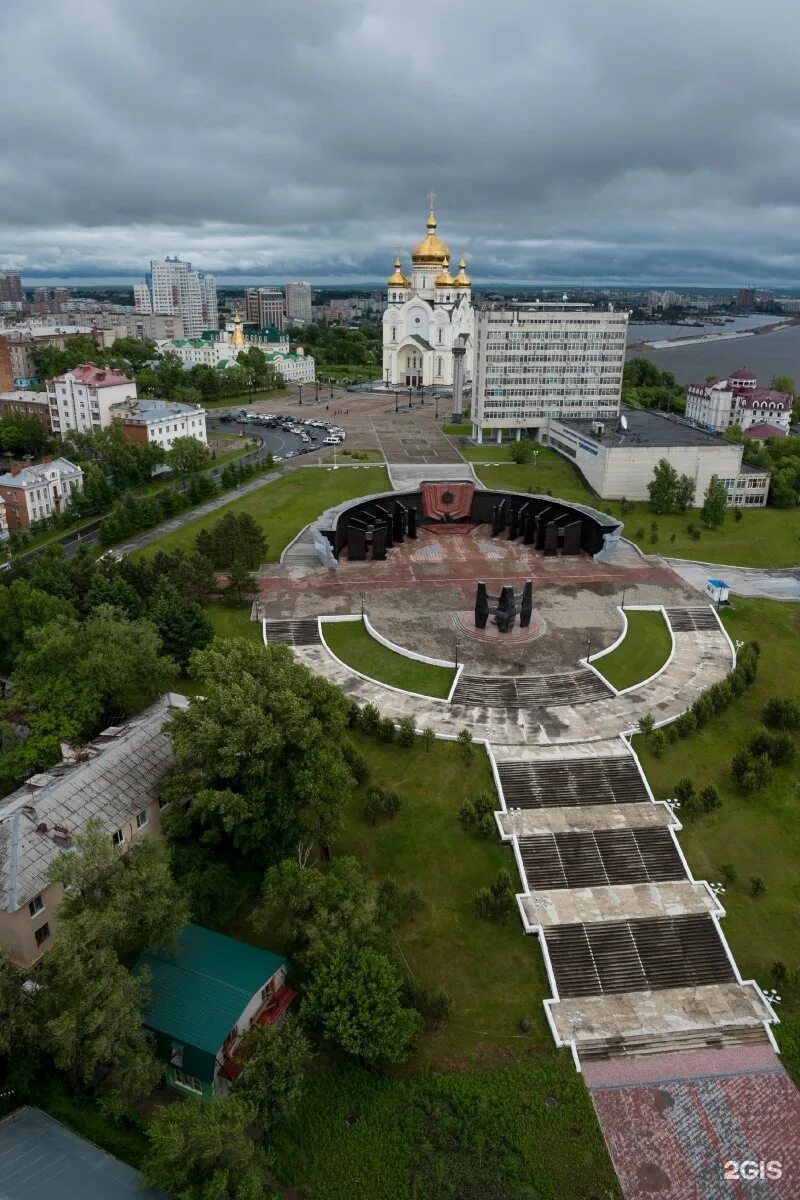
570	141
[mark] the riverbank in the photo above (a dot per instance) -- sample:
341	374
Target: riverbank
705	338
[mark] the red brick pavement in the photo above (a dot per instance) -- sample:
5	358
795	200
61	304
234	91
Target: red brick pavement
671	1138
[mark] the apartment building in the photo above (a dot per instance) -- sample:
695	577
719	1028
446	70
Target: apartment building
33	493
159	422
116	780
17	343
533	362
10	287
81	399
174	288
298	302
22	403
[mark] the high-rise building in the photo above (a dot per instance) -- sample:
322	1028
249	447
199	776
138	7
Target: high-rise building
264	306
175	289
208	299
746	299
141	298
10	287
298	301
534	362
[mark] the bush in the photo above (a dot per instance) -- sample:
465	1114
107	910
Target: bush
496	903
757	886
710	799
433	1004
386	730
685	724
658	742
356	761
751	772
478	815
379	803
396	904
370	719
778	747
720	694
784	713
406	732
466	746
729	874
702	710
684	790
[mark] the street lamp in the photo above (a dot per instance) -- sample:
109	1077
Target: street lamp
396	409
436	402
300	393
624	589
455	643
316	387
387	379
362	606
588	646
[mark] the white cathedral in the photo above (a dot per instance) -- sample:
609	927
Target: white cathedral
429	315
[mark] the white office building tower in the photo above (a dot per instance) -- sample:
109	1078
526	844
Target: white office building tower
298	301
542	360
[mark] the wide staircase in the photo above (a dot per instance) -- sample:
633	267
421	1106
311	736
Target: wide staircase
568	782
302	632
530	691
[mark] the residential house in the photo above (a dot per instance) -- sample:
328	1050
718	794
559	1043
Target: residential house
159	422
205	993
24	403
81	399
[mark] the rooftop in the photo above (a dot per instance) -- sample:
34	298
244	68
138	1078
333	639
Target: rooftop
28	397
764	430
645	428
35	474
199	989
94	376
111	780
153	410
40	1159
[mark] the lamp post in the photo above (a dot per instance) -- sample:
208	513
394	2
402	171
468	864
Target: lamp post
300	393
362	606
387	379
316	387
624	589
588	646
455	643
436	402
396	409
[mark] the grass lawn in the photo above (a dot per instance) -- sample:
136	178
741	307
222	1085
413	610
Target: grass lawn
351	642
492	972
760	833
549	475
529	1130
491	453
232	622
283	507
643	652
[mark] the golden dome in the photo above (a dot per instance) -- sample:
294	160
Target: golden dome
237	337
444	278
462	279
431	251
398	279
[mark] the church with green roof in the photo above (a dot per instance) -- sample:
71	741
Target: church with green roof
204	994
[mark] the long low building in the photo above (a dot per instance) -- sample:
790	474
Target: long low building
617	456
159	422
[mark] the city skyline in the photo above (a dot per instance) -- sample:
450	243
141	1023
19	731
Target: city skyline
606	150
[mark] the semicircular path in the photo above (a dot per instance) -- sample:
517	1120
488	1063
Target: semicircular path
702	655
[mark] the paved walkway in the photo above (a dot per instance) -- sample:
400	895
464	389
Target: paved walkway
760	584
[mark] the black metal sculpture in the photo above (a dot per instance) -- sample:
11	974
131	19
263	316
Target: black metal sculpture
503	607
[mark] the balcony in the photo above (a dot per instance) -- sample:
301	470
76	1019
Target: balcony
274	1009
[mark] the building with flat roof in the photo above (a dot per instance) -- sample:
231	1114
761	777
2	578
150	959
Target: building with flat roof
205	993
298	302
617	456
534	362
23	403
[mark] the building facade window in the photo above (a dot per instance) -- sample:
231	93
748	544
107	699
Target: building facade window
42	934
118	837
36	905
141	819
190	1082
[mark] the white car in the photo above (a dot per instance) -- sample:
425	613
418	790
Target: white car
331	441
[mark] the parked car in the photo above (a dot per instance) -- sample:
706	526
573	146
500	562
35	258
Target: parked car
331	441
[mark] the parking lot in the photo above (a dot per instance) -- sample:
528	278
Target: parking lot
284	436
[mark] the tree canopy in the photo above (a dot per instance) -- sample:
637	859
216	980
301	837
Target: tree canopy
669	492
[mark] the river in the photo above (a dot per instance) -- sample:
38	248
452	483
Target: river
767	354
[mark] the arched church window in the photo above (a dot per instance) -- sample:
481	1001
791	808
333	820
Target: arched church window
394	333
440	337
439	361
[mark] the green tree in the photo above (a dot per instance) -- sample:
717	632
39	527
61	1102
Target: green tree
784	383
203	1152
72	679
715	503
21	435
241	584
128	898
49	360
428	738
466	746
25	607
92	1019
182	624
353	997
669	492
522	451
131	354
263	751
188	455
275	1059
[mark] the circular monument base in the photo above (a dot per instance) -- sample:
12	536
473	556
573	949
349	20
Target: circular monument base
464	622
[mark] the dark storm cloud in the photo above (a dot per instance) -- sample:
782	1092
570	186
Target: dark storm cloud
575	141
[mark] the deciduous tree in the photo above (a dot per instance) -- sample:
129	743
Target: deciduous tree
275	1059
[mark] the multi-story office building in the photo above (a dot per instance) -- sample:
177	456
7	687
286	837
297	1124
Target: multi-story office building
542	360
10	287
174	288
298	302
82	398
264	306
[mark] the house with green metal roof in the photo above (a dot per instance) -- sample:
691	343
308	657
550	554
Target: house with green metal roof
204	994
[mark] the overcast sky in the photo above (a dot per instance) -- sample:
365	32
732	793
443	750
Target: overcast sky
566	140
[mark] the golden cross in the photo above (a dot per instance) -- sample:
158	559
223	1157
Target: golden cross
431	199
